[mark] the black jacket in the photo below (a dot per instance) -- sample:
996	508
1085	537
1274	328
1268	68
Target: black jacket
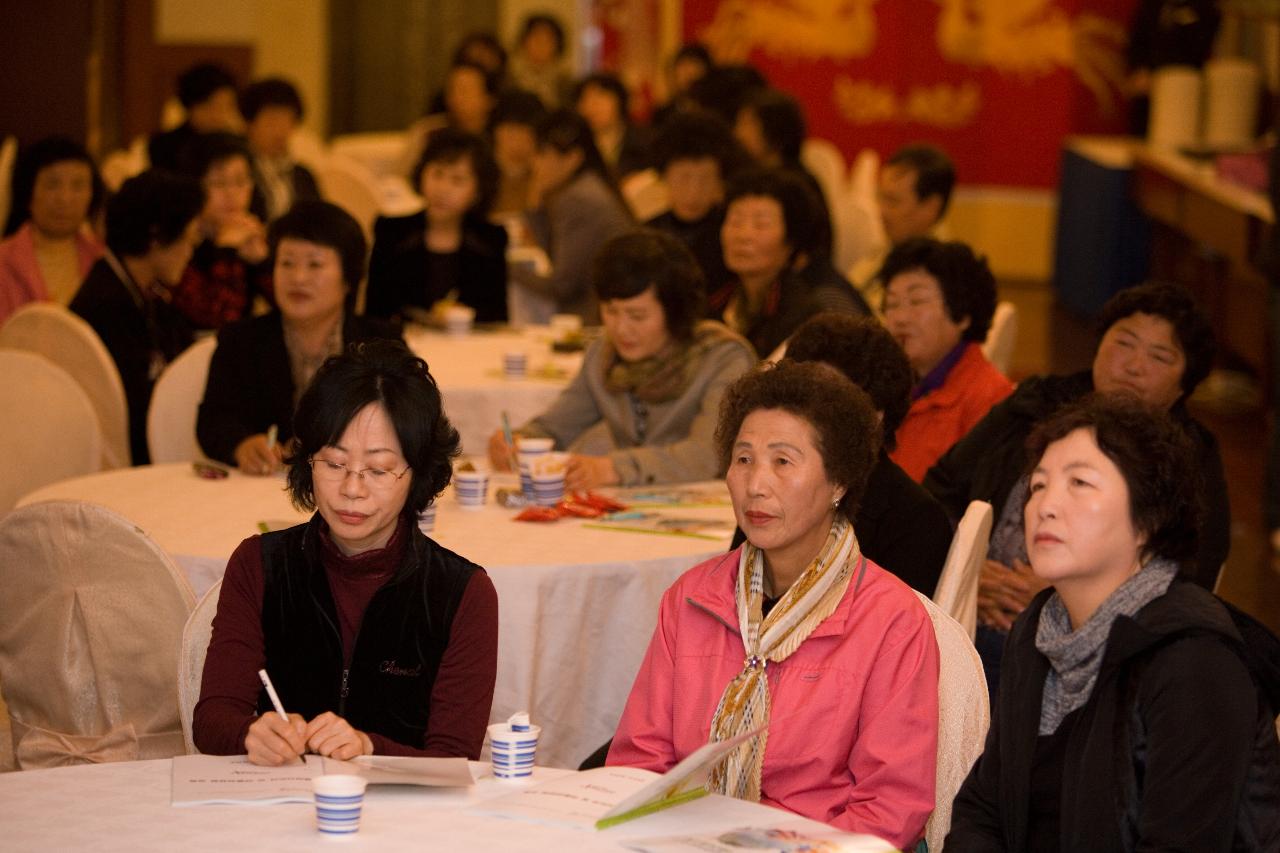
703	239
987	462
400	269
250	384
142	334
386	686
1175	749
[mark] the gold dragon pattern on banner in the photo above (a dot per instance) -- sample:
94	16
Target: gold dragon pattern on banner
1032	38
803	29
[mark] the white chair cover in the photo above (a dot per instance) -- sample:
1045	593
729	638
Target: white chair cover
825	161
90	629
964	713
1001	337
8	156
195	643
69	342
350	185
171	419
957	592
646	195
48	431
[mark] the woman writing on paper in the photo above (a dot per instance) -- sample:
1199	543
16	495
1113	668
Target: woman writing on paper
1128	718
643	407
795	630
378	639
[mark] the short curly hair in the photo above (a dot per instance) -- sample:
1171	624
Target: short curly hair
841	414
864	351
1174	303
801	210
698	135
1155	456
968	287
387	373
637	260
449	145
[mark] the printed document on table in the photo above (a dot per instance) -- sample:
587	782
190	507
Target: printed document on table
794	837
229	779
406	770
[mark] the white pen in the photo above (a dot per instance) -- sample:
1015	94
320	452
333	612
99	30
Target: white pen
273	432
271	692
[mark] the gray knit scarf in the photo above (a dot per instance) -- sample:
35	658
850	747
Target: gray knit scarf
1075	656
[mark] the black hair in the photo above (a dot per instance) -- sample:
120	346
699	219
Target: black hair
967	284
863	350
489	41
487	77
935	174
1174	303
1156	458
448	145
696	51
35	158
199	83
153	207
325	224
270	92
695	135
800	211
610	83
633	262
725	88
517	106
781	120
542	19
203	151
387	373
564	130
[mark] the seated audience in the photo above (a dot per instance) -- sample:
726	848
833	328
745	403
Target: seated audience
208	94
841	664
696	154
779	277
900	525
725	88
263	364
470	93
411	627
49	242
690	64
230	267
576	210
1156	345
152	227
515	120
938	303
643	407
272	110
603	100
1128	717
449	251
537	63
480	48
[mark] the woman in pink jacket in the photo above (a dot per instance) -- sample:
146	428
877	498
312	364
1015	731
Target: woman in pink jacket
796	631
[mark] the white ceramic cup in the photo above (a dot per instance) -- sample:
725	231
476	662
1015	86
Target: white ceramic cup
512	753
458	319
470	488
427	518
339	799
515	364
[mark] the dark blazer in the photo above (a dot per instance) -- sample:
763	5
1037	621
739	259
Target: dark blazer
400	268
797	296
250	385
142	335
302	181
703	239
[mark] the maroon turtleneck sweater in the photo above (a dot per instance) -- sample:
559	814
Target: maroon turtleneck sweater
461	697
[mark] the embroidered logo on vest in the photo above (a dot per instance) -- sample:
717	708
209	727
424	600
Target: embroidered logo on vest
389	667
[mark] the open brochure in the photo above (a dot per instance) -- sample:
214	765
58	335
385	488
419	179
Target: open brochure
797	837
607	796
653	522
406	770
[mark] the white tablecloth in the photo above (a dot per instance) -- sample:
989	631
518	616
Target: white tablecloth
577	606
468	370
125	807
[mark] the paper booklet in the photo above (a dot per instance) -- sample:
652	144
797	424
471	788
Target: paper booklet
795	837
653	522
406	770
209	779
607	796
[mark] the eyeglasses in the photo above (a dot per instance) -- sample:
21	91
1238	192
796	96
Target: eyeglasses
335	472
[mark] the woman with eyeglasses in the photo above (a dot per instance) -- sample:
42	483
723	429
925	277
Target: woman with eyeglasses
377	639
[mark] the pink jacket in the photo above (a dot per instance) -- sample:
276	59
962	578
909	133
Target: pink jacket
854	710
20	278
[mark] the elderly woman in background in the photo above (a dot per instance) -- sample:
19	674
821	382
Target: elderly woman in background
780	276
49	241
841	663
643	407
378	639
576	210
1128	718
602	99
1157	345
938	303
263	364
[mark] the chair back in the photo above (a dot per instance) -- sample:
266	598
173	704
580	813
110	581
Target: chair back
171	418
964	713
90	629
1001	337
824	160
8	157
350	185
48	431
957	592
646	195
69	342
195	644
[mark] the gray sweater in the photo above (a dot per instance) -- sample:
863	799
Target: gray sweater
590	419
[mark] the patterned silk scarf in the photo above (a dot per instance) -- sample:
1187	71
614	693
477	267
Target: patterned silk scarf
744	706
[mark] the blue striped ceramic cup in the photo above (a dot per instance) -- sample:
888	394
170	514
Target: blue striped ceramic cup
339	799
511	752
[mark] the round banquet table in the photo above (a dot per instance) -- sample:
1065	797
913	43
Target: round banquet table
468	369
577	605
125	806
